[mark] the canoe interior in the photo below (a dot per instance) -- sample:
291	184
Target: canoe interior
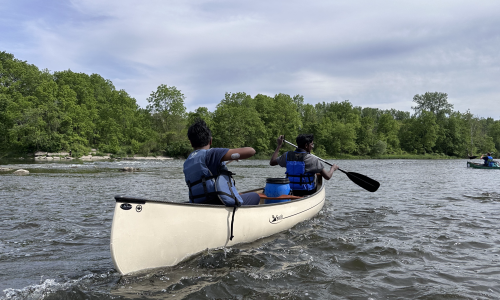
260	191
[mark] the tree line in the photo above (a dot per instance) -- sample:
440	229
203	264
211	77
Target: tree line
54	111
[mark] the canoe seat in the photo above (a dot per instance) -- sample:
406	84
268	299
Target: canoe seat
263	196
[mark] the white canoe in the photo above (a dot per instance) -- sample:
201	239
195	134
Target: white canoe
149	234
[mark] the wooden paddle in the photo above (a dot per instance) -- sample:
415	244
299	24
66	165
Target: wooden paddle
363	181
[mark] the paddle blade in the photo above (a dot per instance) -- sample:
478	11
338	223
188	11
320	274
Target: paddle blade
363	181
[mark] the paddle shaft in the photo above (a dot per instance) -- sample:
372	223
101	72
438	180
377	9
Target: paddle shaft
314	156
363	181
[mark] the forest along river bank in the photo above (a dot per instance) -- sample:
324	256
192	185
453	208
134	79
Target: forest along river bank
431	231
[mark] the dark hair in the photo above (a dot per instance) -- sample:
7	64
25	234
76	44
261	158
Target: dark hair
304	139
199	134
489	154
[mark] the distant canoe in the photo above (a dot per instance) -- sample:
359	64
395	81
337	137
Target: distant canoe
479	166
149	234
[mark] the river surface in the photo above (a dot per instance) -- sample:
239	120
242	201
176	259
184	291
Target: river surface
432	231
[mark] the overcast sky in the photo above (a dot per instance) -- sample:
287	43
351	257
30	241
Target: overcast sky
373	53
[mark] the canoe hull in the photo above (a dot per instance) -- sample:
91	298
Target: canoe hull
148	234
479	166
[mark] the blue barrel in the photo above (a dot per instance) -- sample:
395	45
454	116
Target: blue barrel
276	187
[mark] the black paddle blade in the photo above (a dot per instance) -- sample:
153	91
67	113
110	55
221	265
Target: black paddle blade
363	181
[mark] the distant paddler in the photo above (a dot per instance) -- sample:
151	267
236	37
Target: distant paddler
488	160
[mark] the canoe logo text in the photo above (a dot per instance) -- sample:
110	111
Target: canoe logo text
275	219
125	206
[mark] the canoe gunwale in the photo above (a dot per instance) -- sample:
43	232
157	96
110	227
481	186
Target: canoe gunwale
137	200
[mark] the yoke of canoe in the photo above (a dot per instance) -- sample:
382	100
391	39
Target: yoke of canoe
149	234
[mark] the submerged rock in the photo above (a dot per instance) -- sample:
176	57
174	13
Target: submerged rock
21	172
5	169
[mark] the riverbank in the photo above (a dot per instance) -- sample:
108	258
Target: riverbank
109	156
93	155
385	156
104	157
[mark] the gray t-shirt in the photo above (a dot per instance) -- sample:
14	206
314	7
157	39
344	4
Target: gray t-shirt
313	164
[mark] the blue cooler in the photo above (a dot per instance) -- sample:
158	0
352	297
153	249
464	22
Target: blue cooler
276	187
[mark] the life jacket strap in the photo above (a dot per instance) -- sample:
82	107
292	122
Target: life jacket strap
203	179
309	178
232	222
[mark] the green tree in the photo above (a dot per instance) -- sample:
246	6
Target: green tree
200	113
436	103
387	131
453	136
280	115
366	136
379	148
494	133
419	133
237	124
338	126
166	105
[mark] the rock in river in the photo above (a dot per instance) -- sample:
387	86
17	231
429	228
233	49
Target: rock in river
21	172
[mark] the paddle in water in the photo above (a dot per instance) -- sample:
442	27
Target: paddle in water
363	181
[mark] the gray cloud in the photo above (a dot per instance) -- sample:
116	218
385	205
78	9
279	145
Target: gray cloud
373	54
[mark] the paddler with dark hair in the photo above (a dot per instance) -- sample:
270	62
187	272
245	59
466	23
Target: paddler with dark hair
488	160
301	166
206	174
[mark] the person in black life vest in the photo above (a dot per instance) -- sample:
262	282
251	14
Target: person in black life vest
301	166
208	179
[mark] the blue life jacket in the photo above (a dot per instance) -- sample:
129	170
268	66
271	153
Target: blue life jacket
490	162
296	172
204	186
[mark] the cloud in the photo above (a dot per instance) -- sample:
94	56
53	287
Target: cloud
376	54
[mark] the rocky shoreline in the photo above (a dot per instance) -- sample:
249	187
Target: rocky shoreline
58	156
44	156
66	156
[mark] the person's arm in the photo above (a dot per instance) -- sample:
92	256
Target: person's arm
328	174
274	158
238	153
315	165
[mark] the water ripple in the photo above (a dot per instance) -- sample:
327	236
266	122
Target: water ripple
432	231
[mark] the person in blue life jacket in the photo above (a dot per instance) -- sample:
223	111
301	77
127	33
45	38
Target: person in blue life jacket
206	175
301	166
488	160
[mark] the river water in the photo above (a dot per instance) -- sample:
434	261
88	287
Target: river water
432	231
